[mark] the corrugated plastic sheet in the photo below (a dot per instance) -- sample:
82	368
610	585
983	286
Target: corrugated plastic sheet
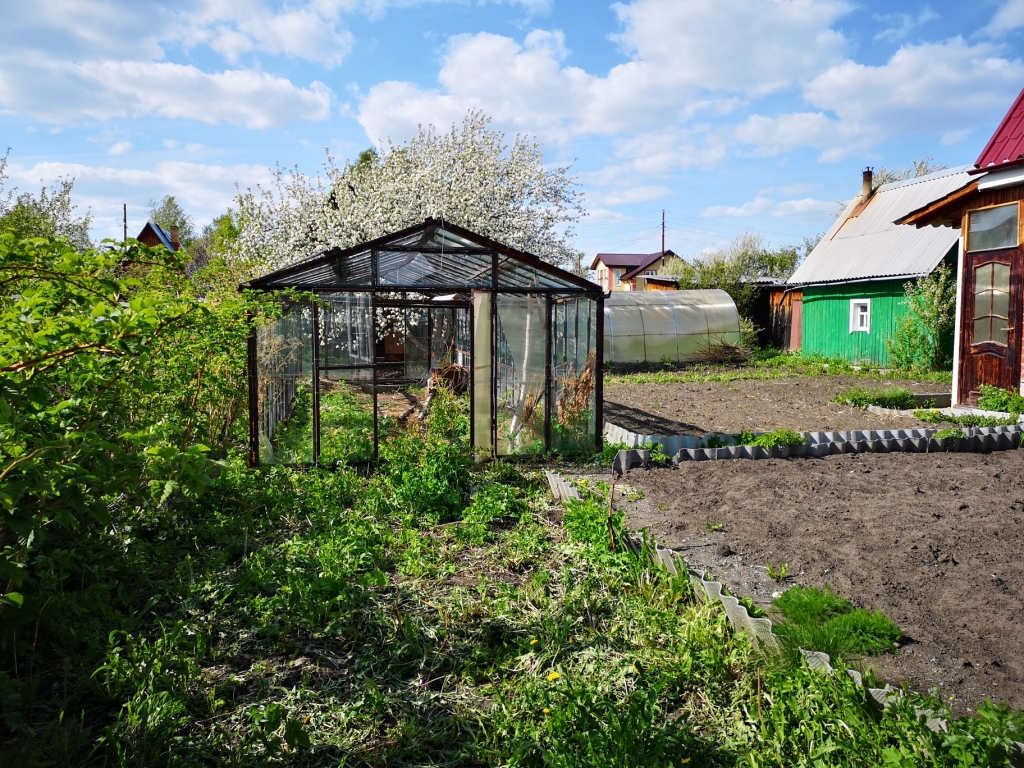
870	245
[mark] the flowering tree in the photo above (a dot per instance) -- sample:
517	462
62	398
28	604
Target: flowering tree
468	176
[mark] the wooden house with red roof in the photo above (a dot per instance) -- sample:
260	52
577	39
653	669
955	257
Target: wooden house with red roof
631	271
990	276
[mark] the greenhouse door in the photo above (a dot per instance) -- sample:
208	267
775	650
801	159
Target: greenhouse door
990	329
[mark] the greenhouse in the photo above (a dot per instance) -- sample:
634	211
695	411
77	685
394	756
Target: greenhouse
368	333
680	326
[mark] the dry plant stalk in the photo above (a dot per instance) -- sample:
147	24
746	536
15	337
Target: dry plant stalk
720	351
574	399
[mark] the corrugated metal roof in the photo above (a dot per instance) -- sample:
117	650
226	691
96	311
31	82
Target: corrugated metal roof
1006	147
871	246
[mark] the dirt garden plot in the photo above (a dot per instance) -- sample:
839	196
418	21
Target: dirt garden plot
800	403
932	540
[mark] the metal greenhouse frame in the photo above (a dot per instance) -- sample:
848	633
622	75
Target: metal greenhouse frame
414	306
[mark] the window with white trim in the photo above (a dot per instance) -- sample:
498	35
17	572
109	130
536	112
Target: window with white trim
618	276
650	272
860	315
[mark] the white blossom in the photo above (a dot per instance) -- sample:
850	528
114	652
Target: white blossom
467	176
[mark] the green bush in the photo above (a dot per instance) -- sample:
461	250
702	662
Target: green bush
899	398
966	420
995	399
922	337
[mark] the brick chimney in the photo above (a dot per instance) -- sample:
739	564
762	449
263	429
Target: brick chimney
867	180
174	238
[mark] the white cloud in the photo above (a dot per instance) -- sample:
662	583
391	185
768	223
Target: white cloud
65	92
233	28
628	195
170	143
751	208
806	209
949	87
120	148
685	58
1009	17
899	25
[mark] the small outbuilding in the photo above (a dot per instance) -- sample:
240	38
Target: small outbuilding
363	330
154	235
853	281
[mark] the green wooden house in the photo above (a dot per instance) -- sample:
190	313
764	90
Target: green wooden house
853	280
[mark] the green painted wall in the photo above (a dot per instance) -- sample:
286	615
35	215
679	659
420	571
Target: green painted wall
826	320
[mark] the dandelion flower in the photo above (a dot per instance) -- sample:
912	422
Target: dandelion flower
534	641
547	711
553	676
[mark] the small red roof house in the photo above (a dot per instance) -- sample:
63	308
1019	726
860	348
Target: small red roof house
628	271
990	275
153	235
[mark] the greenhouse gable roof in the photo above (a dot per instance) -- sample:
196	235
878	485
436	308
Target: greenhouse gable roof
433	255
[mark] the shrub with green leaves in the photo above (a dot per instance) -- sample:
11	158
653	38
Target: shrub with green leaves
995	399
120	378
922	339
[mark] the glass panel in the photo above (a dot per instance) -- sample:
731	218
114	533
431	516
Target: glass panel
574	369
520	367
1000	331
513	273
413	269
345	329
346	417
346	404
284	374
354	270
982	277
982	329
982	303
482	372
692	347
1001	276
993	228
417	343
1001	304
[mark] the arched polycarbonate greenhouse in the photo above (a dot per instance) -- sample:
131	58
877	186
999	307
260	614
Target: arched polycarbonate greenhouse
383	322
681	326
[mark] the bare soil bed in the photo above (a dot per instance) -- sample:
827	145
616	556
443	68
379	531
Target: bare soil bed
932	540
800	403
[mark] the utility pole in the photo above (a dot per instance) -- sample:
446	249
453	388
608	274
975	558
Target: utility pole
126	224
663	233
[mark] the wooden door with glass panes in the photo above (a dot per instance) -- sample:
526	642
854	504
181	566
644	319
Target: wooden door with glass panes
991	302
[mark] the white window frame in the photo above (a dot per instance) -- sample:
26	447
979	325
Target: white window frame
650	273
618	276
855	314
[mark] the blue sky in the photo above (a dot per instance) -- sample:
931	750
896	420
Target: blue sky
725	113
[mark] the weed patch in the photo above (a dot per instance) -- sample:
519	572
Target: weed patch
820	620
899	398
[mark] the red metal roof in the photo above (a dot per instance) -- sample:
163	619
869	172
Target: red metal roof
1006	147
